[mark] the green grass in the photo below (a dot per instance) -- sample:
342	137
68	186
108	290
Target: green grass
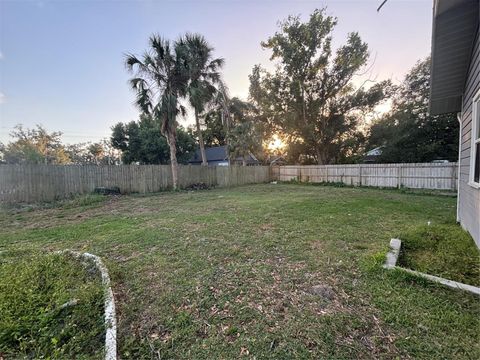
83	201
33	322
444	250
230	273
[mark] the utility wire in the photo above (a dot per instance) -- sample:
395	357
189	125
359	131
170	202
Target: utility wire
381	5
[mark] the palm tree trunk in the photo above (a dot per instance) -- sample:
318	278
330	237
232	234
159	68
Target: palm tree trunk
172	144
227	136
200	140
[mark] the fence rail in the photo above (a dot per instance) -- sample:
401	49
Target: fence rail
413	175
32	183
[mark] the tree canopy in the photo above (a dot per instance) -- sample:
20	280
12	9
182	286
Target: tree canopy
235	123
246	132
39	146
34	146
214	132
408	133
142	142
97	153
310	98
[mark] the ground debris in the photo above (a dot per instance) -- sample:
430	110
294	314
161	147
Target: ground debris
113	190
198	186
324	291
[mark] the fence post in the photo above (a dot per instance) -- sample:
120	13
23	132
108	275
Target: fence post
360	174
274	173
399	176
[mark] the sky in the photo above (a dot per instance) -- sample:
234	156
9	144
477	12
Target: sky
62	61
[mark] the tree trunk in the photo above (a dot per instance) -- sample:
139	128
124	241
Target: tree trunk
321	157
304	115
172	144
226	126
227	142
200	140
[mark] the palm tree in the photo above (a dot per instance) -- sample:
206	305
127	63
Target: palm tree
204	76
221	105
160	80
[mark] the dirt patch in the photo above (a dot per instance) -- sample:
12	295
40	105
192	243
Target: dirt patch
324	291
60	216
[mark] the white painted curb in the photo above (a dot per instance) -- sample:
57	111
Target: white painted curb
393	253
110	318
450	283
391	263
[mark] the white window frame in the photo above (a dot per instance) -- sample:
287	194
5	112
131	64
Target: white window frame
474	140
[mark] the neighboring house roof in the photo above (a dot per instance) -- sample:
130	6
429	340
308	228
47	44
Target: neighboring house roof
375	152
372	155
219	154
277	160
455	24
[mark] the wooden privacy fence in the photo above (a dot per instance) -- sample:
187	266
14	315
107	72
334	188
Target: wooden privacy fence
414	175
30	183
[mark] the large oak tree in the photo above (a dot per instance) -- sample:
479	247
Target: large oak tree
310	97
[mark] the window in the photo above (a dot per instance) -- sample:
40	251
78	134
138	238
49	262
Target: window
475	150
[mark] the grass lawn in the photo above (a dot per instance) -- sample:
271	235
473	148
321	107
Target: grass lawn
51	306
262	271
444	250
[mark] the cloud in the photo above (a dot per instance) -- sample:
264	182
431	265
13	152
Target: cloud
3	98
1	55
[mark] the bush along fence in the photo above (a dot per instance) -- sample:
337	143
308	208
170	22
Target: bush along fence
34	183
415	175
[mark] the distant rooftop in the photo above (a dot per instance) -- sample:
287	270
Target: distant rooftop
218	155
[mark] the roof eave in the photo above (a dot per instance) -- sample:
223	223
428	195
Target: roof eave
446	96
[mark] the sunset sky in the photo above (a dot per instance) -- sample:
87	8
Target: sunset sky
61	62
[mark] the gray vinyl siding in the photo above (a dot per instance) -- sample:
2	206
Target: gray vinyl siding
468	196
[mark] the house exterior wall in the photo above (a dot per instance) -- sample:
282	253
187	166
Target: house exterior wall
468	211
